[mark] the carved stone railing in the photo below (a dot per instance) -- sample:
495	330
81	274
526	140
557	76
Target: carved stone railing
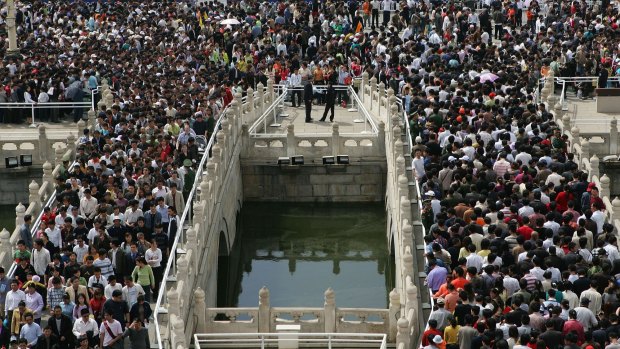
329	319
365	146
401	200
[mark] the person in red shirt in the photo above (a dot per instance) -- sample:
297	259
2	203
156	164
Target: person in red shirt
563	198
460	281
573	325
432	330
525	230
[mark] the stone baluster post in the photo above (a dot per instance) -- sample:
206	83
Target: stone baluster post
373	89
192	238
11	28
389	93
58	153
566	123
34	197
200	311
585	150
6	248
204	197
291	143
615	203
613	136
605	186
335	139
381	95
363	86
394	314
109	100
264	310
271	92
381	137
173	301
407	261
398	152
91	118
49	178
71	146
44	146
405	208
183	276
395	117
177	335
594	163
403	185
576	140
407	235
261	100
20	212
412	298
250	102
330	311
402	335
400	164
81	125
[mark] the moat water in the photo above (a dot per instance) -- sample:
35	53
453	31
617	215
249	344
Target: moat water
298	250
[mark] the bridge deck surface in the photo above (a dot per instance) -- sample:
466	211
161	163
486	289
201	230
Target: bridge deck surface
587	118
10	132
296	116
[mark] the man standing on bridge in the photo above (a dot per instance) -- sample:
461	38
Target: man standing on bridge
330	100
308	96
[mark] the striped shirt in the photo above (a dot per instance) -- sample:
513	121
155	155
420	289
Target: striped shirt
54	296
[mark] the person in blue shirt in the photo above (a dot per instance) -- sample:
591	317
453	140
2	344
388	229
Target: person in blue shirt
30	331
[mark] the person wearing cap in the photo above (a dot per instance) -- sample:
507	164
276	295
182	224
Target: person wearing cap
434	341
441	315
585	316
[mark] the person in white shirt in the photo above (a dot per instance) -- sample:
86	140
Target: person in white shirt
40	257
111	331
131	291
13	297
294	82
85	326
80	249
418	165
474	259
53	234
111	287
88	206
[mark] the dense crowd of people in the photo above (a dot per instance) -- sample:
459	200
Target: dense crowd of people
518	250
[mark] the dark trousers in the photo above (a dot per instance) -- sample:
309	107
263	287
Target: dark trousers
328	106
386	18
296	93
158	275
342	94
308	110
374	20
499	28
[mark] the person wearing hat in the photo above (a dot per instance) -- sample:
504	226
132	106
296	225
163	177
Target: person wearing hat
441	315
434	341
189	178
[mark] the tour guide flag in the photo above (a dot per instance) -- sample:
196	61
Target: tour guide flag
359	27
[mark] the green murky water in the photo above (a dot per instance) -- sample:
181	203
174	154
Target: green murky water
7	217
299	250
